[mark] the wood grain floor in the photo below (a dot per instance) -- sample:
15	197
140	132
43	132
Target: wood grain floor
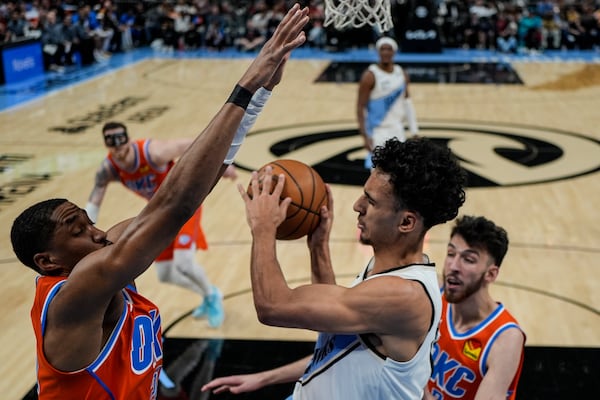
549	280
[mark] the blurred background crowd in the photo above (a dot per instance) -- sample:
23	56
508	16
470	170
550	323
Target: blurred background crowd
75	32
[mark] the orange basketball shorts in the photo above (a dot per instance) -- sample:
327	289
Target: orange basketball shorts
190	233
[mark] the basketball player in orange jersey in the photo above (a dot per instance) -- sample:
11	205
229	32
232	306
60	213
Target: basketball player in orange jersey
479	354
383	104
96	337
141	166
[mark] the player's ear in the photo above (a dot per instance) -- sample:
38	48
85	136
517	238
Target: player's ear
492	273
45	262
408	221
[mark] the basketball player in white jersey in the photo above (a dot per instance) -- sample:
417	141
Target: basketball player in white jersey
384	104
375	337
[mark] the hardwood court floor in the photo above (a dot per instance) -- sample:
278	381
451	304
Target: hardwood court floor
51	146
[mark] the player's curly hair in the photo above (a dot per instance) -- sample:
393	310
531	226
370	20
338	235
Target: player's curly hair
425	176
33	230
483	233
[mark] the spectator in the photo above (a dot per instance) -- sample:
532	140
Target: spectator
110	25
316	33
506	28
590	25
455	18
16	25
252	39
84	40
216	28
53	47
182	21
529	30
573	31
482	14
139	35
551	28
126	21
5	34
34	27
153	20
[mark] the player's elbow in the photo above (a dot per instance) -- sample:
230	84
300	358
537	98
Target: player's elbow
266	314
271	312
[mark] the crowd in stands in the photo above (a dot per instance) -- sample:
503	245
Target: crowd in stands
86	32
511	26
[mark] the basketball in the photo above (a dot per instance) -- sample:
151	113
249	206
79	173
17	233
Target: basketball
308	193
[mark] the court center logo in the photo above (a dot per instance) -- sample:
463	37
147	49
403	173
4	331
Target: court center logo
493	154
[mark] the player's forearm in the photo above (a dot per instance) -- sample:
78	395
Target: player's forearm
360	117
258	101
321	268
269	287
92	206
97	194
411	116
287	373
427	395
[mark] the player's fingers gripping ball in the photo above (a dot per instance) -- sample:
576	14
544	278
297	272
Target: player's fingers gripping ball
307	191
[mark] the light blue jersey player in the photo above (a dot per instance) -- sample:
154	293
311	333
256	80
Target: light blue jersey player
384	105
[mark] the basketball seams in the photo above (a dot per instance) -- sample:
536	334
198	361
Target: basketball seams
314	187
299	187
290	175
301	178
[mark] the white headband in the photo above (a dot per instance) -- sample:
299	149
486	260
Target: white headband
386	40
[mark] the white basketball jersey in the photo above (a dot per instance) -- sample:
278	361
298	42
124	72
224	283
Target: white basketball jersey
385	111
344	367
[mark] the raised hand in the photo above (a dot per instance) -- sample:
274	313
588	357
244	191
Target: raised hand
288	36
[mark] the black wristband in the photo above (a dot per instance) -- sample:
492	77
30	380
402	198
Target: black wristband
240	97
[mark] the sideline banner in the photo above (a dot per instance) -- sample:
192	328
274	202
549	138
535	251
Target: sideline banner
21	60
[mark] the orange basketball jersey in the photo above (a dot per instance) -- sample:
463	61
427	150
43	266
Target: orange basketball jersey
128	366
460	359
144	179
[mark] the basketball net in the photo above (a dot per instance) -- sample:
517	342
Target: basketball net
345	14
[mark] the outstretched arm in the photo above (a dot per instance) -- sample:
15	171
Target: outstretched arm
251	382
78	310
192	177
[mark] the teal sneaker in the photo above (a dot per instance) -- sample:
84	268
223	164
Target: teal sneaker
214	308
200	311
